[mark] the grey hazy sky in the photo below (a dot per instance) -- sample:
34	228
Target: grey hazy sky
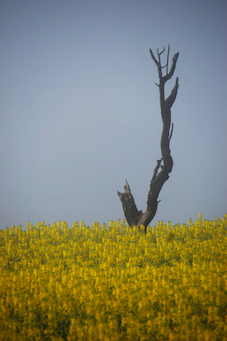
80	108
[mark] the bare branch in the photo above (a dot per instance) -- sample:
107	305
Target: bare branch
153	57
126	187
163	67
174	62
160	53
129	207
167	63
170	100
156	169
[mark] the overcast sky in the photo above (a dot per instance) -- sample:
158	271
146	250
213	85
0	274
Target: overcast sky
80	108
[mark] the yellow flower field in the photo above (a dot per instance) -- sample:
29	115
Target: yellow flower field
114	283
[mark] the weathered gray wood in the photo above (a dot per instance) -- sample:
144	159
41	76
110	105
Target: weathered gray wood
165	164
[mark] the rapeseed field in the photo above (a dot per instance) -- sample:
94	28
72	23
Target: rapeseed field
114	282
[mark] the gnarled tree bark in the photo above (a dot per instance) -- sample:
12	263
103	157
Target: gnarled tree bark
165	164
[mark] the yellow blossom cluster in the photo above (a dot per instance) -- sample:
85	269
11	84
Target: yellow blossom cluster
114	283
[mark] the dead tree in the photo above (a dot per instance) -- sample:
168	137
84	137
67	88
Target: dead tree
165	164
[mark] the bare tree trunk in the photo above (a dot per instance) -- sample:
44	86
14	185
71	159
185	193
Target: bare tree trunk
132	215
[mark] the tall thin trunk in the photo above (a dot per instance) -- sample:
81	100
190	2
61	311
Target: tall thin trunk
165	164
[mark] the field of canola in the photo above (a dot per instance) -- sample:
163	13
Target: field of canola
114	283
